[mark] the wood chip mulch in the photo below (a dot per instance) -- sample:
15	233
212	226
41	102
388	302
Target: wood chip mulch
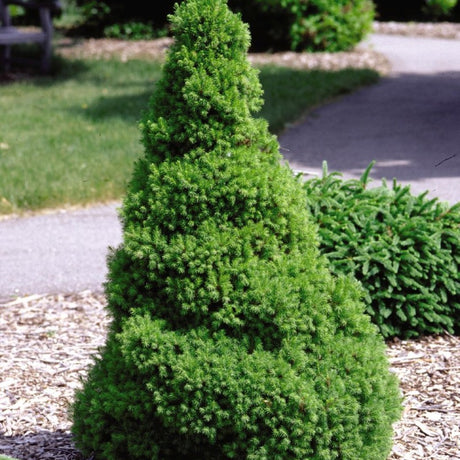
429	374
106	48
445	30
46	344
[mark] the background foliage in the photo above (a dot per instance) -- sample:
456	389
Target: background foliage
274	24
316	25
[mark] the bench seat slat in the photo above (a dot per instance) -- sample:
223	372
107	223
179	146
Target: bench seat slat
13	36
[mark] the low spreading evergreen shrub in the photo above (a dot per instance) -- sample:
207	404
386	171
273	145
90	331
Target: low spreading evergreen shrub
229	336
404	249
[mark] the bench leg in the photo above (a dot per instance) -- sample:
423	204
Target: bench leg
45	63
47	26
5	57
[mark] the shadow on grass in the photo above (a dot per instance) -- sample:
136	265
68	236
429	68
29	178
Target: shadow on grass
291	93
288	94
127	107
127	87
61	69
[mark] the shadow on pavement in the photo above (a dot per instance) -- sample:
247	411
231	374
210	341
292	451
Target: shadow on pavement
408	123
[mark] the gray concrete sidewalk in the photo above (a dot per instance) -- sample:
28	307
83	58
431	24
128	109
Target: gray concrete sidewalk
409	123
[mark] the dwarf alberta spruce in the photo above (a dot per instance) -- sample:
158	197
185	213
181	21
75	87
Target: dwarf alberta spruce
230	338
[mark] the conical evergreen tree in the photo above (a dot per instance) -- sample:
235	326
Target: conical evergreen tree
229	339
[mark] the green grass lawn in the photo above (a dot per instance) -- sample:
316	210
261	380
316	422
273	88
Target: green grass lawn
72	138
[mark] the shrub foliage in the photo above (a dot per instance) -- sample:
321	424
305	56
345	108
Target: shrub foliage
404	249
313	25
230	338
320	25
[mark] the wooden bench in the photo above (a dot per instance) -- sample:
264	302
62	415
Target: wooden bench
10	35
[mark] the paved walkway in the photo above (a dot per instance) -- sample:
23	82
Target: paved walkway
57	253
409	123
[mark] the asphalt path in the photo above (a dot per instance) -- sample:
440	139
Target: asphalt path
409	123
60	252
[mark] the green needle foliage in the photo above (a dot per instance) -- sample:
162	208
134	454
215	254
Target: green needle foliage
404	249
230	338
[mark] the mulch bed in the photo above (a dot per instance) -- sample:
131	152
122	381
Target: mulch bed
105	48
47	344
445	30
